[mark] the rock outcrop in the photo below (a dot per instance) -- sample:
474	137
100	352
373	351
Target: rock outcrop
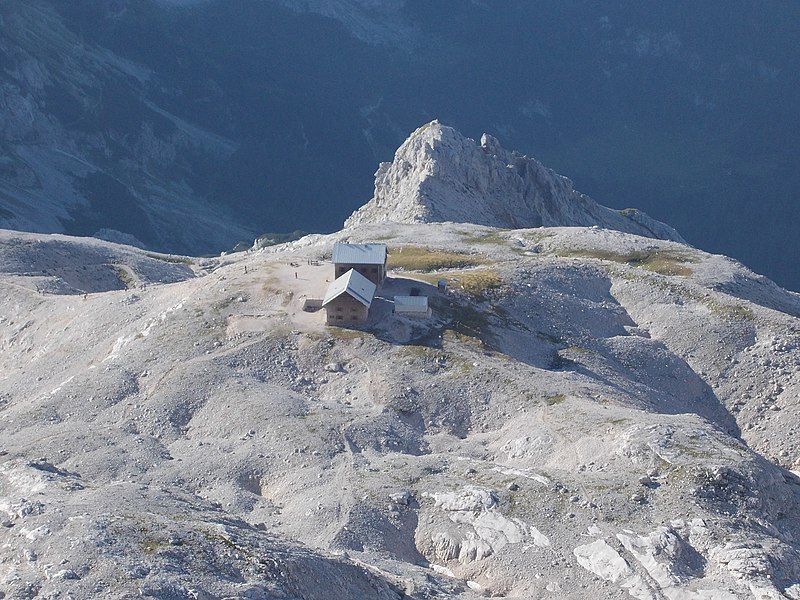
439	175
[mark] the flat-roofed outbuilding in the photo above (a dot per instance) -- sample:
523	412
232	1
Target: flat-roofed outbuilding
412	306
368	259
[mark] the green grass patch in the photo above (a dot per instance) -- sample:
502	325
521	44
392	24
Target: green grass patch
664	262
383	238
151	546
456	336
722	310
740	312
477	283
488	237
729	311
345	334
416	350
124	276
418	258
554	399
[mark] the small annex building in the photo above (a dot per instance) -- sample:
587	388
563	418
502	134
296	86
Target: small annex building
412	306
367	259
348	299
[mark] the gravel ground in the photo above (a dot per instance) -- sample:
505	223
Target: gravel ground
617	417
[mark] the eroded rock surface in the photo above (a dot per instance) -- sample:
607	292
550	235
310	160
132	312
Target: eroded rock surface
588	413
439	175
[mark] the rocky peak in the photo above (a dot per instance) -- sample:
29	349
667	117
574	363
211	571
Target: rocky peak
440	175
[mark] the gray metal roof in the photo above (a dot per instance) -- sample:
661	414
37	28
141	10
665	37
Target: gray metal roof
359	254
353	283
411	303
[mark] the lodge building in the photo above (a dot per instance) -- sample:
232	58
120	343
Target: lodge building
367	259
348	299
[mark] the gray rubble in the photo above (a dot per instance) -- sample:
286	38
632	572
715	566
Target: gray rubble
607	427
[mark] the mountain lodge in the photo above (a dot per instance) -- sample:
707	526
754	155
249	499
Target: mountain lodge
367	259
348	299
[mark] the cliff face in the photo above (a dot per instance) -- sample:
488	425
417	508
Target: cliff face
439	175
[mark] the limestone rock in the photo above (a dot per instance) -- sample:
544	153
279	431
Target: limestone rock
439	175
199	447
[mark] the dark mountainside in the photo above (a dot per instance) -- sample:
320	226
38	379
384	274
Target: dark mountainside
140	117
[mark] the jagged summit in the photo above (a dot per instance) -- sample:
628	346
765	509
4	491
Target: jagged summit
440	175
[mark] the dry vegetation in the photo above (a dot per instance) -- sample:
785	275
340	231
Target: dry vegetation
729	311
489	237
555	399
476	283
658	261
417	258
454	267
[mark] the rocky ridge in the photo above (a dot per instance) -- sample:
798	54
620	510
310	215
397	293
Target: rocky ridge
439	175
